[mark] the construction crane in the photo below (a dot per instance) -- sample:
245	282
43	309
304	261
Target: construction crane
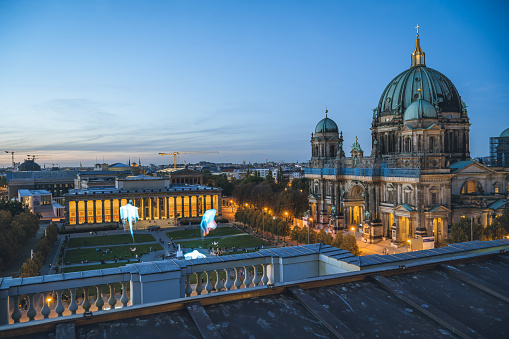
175	154
36	156
12	153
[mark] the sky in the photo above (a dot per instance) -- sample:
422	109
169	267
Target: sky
93	81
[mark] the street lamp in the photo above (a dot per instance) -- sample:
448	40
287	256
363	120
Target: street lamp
263	223
410	243
309	226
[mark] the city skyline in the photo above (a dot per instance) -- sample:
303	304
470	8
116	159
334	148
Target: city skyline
118	81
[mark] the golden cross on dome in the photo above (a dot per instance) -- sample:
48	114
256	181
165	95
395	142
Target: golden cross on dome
417	29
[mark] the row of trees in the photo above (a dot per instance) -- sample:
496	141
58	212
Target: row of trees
464	229
32	266
17	226
346	242
283	200
255	218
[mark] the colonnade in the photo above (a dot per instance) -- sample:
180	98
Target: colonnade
99	210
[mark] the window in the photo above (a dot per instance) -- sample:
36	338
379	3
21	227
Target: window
434	198
497	190
468	187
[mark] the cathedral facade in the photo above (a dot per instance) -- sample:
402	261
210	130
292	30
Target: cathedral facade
419	178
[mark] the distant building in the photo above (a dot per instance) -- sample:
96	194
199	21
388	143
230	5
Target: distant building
57	183
499	150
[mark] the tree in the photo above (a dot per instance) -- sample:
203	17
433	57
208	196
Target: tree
338	240
295	233
499	228
349	243
461	231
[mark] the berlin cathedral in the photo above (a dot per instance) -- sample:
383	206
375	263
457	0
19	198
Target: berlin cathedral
419	178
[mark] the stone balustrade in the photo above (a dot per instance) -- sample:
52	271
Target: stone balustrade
157	281
152	282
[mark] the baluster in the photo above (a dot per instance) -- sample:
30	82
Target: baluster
73	306
125	299
112	301
247	278
237	282
208	285
228	283
270	278
189	290
219	282
198	288
256	278
265	279
86	303
45	311
31	310
59	308
16	314
99	303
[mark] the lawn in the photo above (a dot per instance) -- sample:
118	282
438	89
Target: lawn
195	233
94	254
95	267
102	240
239	241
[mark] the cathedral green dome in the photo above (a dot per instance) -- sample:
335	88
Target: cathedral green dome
402	91
505	133
326	125
420	109
435	88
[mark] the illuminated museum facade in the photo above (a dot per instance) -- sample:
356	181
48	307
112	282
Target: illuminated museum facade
160	203
419	178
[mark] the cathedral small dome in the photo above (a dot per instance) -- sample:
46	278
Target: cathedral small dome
326	125
420	109
505	133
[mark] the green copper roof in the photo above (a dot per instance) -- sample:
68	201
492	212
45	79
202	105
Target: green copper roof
326	125
505	133
420	109
403	90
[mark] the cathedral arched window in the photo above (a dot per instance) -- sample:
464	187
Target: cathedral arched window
431	144
472	187
332	151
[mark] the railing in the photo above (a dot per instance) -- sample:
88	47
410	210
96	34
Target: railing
366	172
140	283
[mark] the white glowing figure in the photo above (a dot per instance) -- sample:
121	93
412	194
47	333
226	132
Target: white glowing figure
129	213
194	255
207	221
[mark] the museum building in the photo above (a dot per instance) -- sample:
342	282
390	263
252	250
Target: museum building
419	178
160	203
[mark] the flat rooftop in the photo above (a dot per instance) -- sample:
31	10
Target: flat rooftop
461	297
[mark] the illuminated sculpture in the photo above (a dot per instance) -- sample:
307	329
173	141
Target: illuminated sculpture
207	222
129	213
194	255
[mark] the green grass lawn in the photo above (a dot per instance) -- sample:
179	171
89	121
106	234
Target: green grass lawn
96	267
195	233
102	240
90	254
240	241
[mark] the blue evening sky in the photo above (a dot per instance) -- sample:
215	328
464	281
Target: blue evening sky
113	80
